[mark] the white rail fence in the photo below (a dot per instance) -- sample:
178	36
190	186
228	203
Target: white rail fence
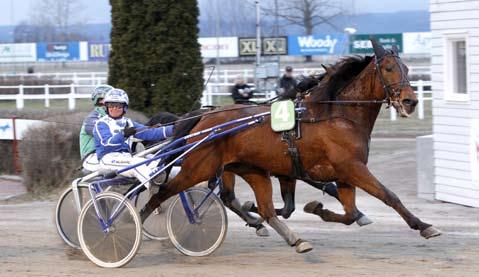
75	92
215	91
211	94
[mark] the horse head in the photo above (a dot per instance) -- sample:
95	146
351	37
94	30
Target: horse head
392	74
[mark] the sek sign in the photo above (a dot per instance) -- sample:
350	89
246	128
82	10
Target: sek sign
317	45
362	43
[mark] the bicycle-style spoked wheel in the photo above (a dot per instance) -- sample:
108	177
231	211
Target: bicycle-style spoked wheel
208	231
116	246
154	226
67	211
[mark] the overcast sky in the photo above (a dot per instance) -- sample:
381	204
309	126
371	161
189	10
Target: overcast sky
98	11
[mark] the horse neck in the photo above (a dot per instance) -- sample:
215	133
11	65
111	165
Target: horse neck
365	87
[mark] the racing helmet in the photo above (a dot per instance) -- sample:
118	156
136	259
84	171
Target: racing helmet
99	92
116	95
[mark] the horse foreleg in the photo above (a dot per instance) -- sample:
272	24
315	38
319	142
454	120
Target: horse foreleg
288	187
357	174
228	197
260	182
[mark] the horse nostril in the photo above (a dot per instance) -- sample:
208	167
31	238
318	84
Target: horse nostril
409	102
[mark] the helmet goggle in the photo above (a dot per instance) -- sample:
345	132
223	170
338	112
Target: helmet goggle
115	105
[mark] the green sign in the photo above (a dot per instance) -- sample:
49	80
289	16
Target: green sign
361	44
282	116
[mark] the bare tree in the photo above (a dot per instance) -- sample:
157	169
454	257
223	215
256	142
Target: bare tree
56	16
309	14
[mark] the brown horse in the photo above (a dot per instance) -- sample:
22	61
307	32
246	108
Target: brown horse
334	145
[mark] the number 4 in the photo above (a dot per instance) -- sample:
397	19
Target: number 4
282	112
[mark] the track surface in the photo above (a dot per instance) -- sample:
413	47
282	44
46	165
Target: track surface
29	244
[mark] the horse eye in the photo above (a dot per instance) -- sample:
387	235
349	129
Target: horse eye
389	68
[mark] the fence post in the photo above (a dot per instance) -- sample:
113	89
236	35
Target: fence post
20	102
71	97
47	96
420	99
225	76
75	78
393	113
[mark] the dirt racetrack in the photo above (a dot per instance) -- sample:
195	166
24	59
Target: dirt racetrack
30	246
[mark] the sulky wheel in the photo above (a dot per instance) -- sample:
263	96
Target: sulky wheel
154	226
67	211
207	232
116	246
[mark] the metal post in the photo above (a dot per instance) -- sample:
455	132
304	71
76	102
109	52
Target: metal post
71	97
258	44
217	31
420	99
20	102
47	96
16	164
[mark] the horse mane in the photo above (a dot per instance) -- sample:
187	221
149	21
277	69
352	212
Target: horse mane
162	118
183	127
338	76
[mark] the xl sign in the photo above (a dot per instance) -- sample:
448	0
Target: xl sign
269	46
317	45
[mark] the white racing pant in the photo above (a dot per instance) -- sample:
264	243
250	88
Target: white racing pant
91	162
120	160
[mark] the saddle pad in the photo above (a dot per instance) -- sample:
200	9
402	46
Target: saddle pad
282	116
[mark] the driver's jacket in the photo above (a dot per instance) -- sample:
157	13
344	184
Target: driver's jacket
108	134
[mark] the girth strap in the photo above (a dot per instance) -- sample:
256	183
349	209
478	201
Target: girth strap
298	171
297	166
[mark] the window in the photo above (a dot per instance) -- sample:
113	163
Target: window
456	68
460	72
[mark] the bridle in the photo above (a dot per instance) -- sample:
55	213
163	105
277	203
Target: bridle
390	90
393	89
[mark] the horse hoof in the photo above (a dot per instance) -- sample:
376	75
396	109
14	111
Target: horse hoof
303	246
262	232
363	221
311	207
430	232
247	206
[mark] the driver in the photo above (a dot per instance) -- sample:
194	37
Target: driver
87	143
113	131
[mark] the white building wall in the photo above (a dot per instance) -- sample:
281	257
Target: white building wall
453	178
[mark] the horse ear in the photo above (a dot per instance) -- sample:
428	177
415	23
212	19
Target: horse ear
325	68
378	48
395	49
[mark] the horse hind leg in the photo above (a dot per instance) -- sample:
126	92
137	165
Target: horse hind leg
228	197
347	197
260	182
316	207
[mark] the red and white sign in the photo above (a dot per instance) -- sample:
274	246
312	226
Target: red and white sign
223	47
6	127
